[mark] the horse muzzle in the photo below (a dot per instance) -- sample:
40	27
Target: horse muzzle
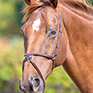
34	85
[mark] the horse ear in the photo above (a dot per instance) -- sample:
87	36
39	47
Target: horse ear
28	2
54	3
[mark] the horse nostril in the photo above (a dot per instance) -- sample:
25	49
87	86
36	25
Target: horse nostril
37	82
34	83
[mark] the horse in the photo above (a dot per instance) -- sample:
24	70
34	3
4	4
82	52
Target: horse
57	32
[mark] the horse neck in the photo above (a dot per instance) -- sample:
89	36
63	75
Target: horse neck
79	30
79	56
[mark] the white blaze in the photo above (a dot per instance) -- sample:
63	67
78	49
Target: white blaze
36	24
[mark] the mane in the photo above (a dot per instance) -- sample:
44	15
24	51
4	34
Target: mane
79	5
28	10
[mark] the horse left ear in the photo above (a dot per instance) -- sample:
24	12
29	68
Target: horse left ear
54	3
28	2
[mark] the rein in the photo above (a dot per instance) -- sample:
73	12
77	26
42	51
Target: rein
28	57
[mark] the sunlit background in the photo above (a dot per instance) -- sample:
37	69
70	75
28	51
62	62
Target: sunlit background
12	52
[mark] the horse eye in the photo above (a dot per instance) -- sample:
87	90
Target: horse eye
53	32
21	32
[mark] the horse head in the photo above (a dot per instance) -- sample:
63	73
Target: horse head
41	36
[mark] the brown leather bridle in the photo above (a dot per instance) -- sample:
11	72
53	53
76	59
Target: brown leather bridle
28	57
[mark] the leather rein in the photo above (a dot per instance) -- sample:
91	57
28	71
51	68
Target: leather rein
28	57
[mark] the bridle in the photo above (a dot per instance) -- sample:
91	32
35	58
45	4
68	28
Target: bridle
28	57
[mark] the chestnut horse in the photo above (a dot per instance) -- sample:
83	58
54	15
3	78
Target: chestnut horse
57	32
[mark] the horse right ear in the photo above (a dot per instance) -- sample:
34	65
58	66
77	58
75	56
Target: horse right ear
54	3
28	2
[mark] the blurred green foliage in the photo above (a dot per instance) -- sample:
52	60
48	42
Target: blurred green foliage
10	17
12	52
11	56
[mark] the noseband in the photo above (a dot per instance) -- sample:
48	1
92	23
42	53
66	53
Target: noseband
28	57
